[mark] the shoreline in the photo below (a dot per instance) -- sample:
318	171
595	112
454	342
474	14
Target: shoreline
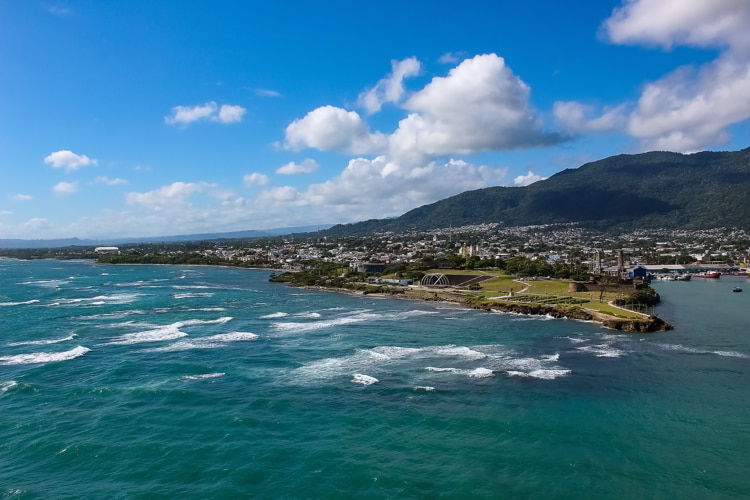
629	325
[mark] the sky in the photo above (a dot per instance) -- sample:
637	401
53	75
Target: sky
153	118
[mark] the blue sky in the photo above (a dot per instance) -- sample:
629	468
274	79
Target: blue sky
152	118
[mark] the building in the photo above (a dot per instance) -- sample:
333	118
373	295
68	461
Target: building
106	250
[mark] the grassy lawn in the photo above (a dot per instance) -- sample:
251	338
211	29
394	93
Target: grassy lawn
544	291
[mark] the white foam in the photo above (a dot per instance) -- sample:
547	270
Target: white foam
423	388
576	340
692	350
192	295
44	342
461	352
207	309
112	315
113	299
394	352
548	374
203	376
359	378
551	357
311	315
351	318
212	342
480	372
275	315
6	386
168	332
731	354
46	283
602	351
33	301
162	333
43	357
192	287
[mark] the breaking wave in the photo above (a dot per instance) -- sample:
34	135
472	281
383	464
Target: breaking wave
26	302
203	376
43	357
44	342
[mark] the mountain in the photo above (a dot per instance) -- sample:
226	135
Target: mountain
66	242
649	190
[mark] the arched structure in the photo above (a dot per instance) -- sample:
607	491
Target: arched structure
435	280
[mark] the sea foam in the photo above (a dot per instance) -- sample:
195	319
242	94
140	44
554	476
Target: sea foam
203	376
44	342
43	357
26	302
359	378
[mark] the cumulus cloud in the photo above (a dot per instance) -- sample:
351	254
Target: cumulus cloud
525	180
65	187
577	118
21	197
307	166
481	105
690	108
329	128
381	188
103	179
68	160
391	88
256	179
229	113
668	23
173	197
210	111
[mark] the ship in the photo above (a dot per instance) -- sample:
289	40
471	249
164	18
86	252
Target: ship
708	274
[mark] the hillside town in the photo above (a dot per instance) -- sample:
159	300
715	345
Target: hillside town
475	246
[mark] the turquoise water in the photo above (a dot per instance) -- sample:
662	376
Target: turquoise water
198	382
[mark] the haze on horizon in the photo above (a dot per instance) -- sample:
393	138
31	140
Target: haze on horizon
135	120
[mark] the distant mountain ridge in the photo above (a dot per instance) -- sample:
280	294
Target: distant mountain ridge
65	242
648	190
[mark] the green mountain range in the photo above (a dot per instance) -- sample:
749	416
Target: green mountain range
649	190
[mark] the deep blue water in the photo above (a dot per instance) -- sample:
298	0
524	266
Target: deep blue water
199	382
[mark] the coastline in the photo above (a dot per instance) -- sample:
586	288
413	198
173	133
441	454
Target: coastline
646	325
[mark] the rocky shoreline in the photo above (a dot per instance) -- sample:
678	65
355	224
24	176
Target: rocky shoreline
629	325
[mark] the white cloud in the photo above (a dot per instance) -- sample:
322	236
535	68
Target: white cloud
391	88
668	23
35	224
256	179
381	188
525	180
21	197
267	93
448	58
65	187
59	11
307	166
329	128
103	179
576	118
689	109
481	105
185	115
6	212
68	160
229	113
173	197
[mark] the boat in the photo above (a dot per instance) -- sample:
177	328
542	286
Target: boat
683	277
708	274
736	289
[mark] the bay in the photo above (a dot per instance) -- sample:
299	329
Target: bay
200	382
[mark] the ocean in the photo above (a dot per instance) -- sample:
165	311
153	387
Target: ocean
204	382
